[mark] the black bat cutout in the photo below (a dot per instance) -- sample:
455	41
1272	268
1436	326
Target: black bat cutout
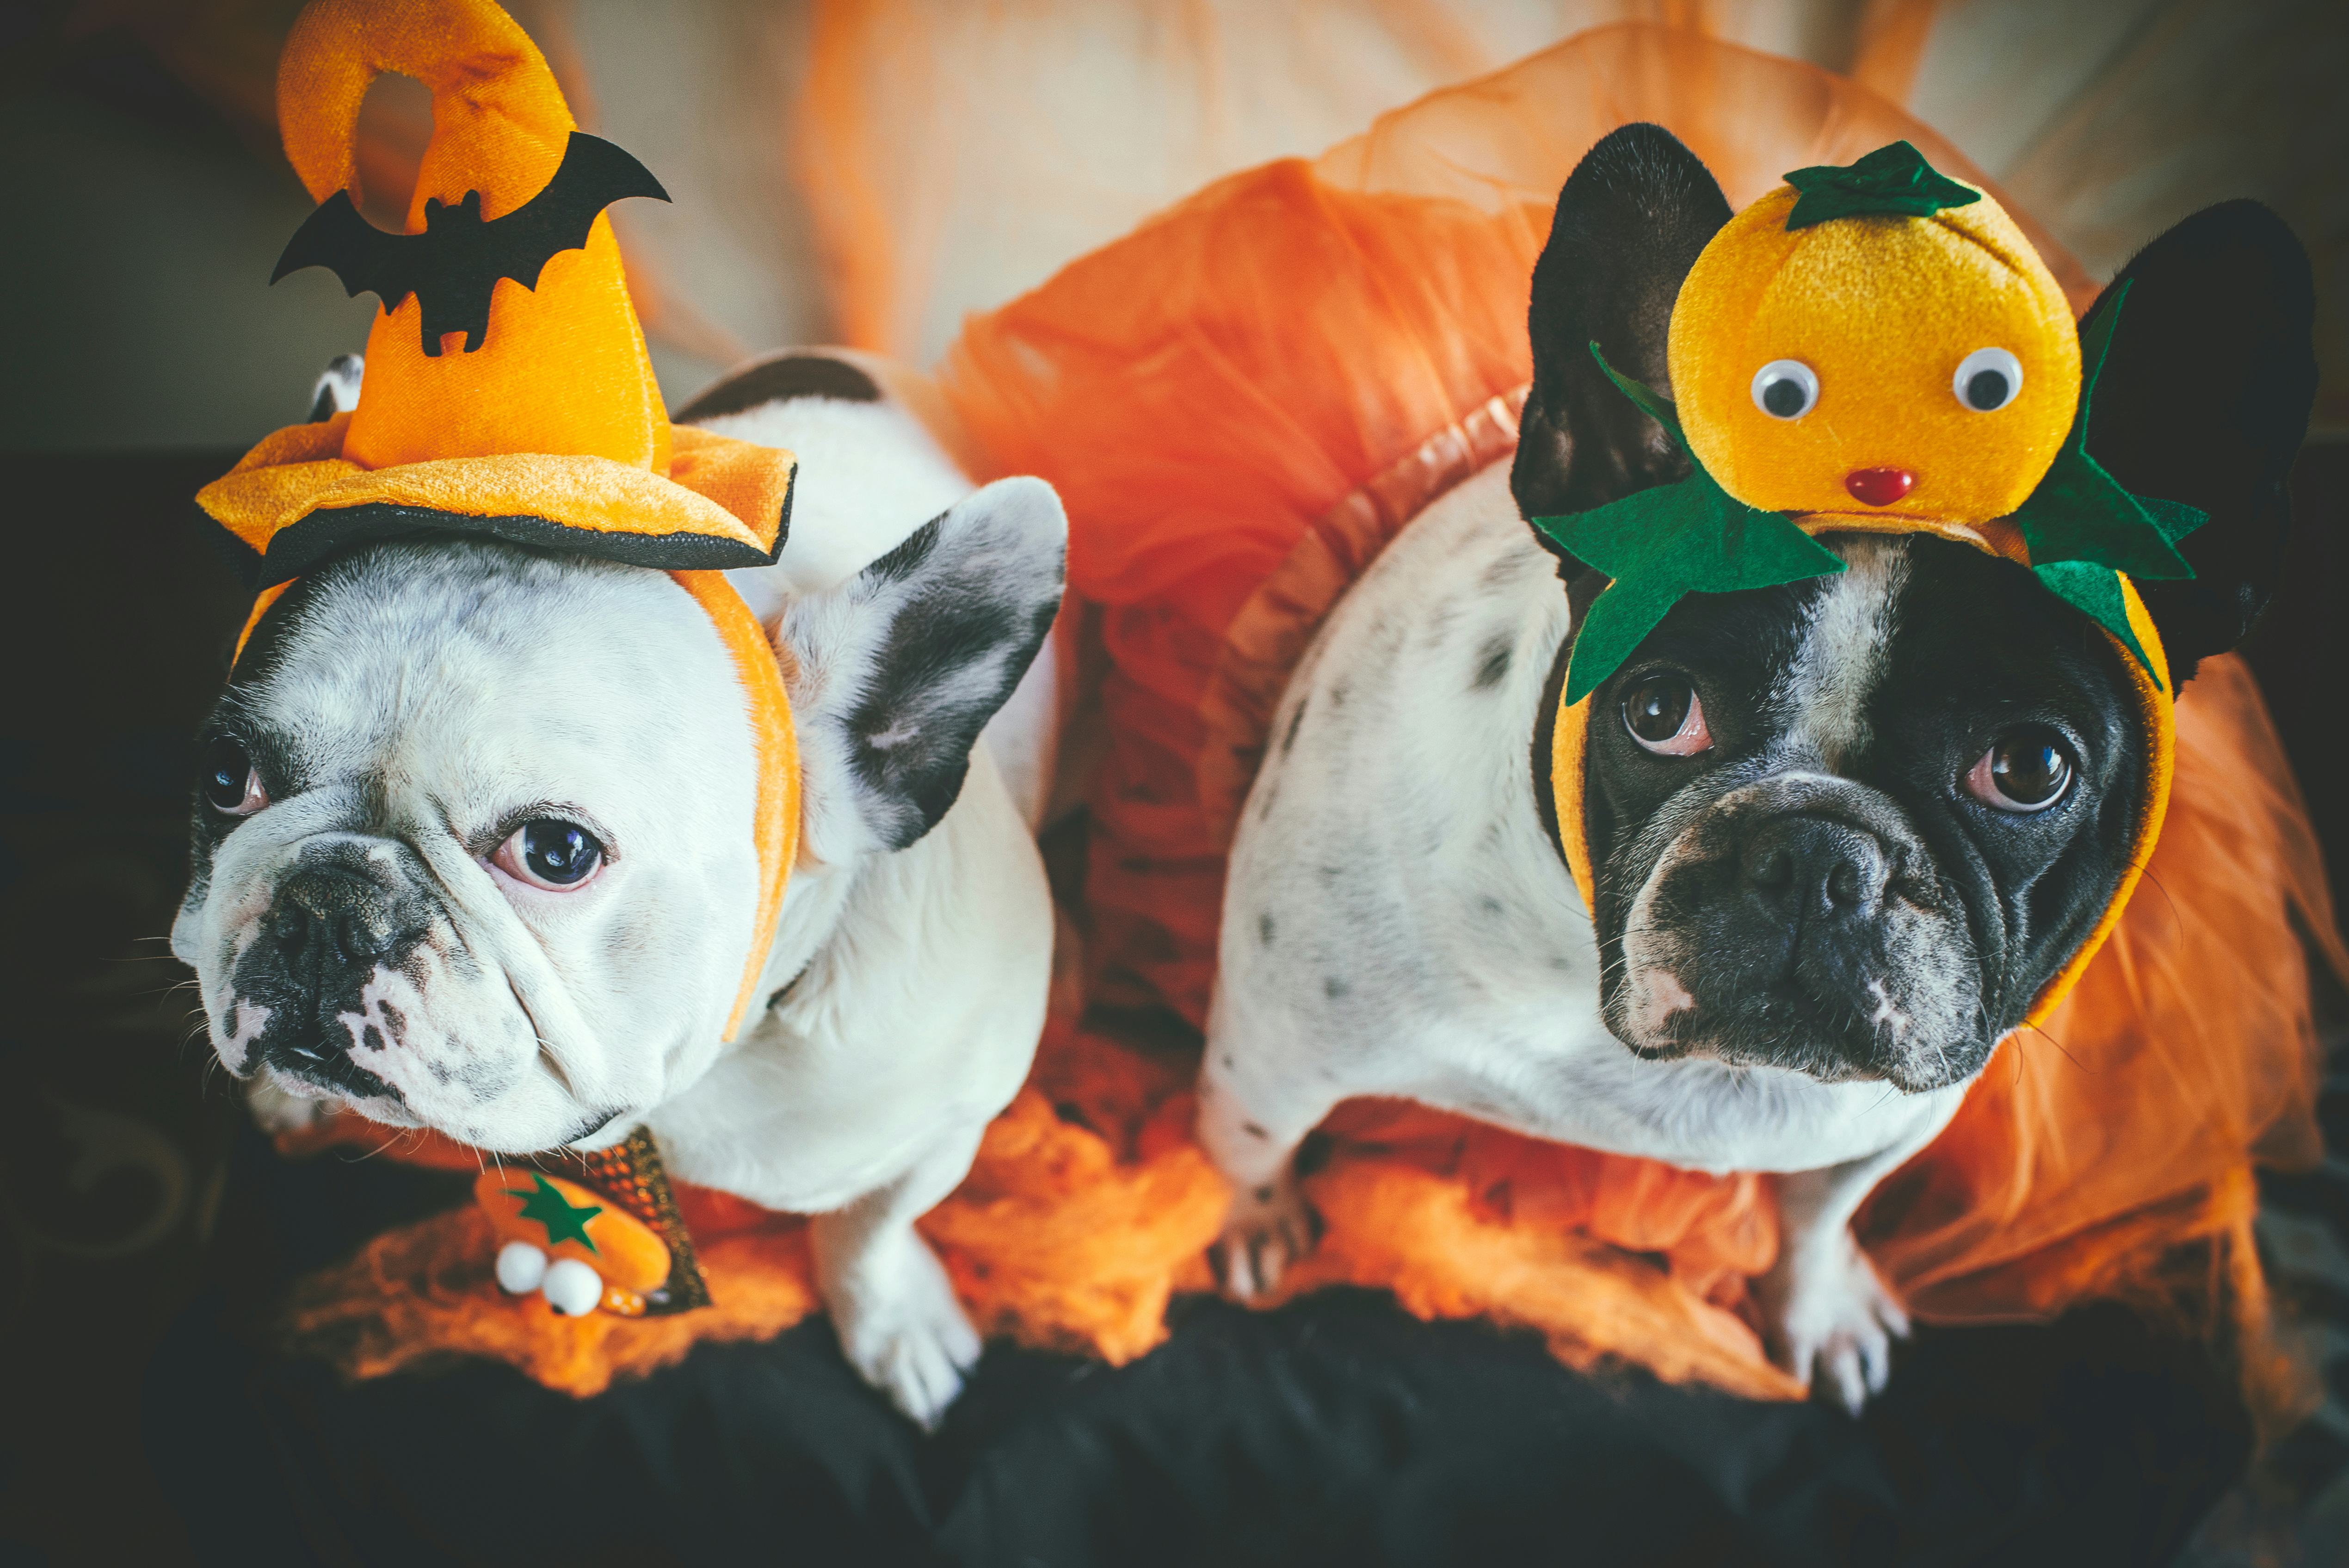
455	265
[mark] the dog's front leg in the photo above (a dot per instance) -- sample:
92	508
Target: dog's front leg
1830	1320
890	1303
1255	1105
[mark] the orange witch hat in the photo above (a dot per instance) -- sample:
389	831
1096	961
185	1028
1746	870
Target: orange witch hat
508	392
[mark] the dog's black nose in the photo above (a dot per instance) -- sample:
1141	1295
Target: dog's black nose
1812	868
326	917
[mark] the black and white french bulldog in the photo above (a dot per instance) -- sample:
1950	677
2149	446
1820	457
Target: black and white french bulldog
1843	831
474	851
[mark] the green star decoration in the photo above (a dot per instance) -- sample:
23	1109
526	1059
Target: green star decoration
1659	544
551	1210
1891	182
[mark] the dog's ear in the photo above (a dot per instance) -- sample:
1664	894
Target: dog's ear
1631	220
2204	398
899	668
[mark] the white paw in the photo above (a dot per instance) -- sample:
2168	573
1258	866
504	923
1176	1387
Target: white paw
1831	1322
1268	1228
900	1326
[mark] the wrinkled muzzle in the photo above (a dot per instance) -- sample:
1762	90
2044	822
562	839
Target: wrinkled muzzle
1800	922
341	977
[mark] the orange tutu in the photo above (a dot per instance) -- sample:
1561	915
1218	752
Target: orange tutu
1241	404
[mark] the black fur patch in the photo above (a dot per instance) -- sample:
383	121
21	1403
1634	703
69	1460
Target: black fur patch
1493	662
920	713
779	380
1630	223
2204	398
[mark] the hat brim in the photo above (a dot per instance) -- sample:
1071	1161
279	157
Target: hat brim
295	500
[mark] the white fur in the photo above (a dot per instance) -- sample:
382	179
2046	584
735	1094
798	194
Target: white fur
1397	922
1841	656
445	693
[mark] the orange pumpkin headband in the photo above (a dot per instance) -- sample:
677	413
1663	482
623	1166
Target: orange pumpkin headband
1848	318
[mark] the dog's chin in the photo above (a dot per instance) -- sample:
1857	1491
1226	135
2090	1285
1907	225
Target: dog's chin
1784	1027
301	1098
327	1082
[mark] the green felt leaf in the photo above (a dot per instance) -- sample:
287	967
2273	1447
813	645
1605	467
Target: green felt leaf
2080	512
551	1210
2095	591
1657	545
1651	403
1892	182
2174	518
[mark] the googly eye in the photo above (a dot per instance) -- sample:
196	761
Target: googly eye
1785	389
1987	379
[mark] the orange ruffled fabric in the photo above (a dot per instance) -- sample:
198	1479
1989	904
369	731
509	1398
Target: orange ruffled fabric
1085	1207
1241	404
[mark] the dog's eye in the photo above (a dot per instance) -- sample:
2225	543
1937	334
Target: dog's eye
1662	713
548	852
231	784
2025	769
1987	379
1785	389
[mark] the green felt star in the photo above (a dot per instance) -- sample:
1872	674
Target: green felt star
2082	526
1658	544
551	1210
1891	182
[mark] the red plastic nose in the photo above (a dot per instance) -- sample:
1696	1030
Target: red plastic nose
1878	486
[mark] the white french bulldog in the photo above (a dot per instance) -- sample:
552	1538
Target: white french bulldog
1843	830
472	850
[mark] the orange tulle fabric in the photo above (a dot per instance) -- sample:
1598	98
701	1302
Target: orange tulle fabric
1087	1206
1241	404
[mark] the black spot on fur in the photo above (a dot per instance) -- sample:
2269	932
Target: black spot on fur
1263	929
779	380
1252	1130
1295	720
1333	988
1493	663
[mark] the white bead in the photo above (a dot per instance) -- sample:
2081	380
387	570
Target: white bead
520	1266
572	1288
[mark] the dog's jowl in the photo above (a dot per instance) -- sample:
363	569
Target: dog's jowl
1843	831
